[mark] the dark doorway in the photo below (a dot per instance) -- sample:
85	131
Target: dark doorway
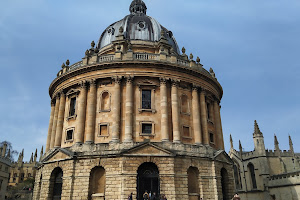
147	179
56	182
224	182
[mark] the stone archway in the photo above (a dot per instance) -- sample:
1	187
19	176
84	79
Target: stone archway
225	183
147	179
56	181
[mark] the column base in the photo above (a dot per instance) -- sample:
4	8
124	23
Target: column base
128	141
177	141
115	141
89	142
198	143
165	140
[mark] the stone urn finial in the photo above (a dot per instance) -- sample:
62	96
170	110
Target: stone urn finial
93	44
63	65
67	62
183	50
191	56
198	60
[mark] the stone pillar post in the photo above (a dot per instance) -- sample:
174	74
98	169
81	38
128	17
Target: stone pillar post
128	109
79	134
60	120
164	110
116	111
54	122
175	112
196	116
218	125
91	112
204	117
50	126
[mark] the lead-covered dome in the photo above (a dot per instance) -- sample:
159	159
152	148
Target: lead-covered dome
137	26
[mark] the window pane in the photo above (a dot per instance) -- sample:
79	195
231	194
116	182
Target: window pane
103	130
72	106
69	135
146	99
186	131
147	128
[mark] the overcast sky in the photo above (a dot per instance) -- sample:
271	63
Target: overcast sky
252	45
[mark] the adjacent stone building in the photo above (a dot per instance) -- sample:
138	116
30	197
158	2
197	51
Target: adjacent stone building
21	171
265	174
135	114
5	164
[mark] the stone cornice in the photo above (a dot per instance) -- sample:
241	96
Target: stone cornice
138	64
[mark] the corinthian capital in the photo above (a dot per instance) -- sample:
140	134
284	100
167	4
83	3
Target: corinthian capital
117	79
129	78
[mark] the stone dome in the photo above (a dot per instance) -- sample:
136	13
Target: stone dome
137	26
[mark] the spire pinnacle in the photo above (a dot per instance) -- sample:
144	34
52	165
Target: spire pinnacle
256	129
231	142
31	158
291	144
240	146
276	143
138	7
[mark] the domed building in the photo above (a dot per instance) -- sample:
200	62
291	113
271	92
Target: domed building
135	115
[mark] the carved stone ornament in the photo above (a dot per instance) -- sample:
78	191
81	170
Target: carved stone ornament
163	80
129	79
183	50
198	60
83	84
212	73
117	79
93	44
175	82
121	30
68	62
93	82
63	65
87	52
72	92
191	56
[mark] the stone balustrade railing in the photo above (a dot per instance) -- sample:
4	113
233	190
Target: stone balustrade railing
172	59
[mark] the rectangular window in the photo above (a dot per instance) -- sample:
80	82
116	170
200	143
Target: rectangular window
69	134
211	137
103	129
146	128
72	106
146	99
208	111
186	131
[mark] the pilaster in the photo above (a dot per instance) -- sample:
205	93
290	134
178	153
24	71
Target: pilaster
50	126
204	116
91	112
129	109
175	111
60	120
79	134
164	110
57	101
196	116
116	110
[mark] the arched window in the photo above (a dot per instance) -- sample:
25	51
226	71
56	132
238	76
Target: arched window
185	104
105	101
251	171
97	182
56	182
225	183
237	177
193	183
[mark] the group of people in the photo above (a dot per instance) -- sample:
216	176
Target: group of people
150	196
153	196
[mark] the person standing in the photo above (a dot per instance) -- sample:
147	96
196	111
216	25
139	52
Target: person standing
130	197
146	195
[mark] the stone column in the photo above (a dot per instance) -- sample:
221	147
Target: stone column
116	111
60	120
175	112
79	134
204	117
218	125
196	116
54	122
128	109
50	126
91	112
164	110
